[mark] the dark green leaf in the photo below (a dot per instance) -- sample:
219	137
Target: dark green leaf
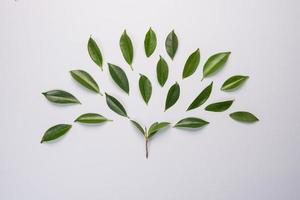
85	80
91	118
171	44
201	98
95	52
55	132
145	88
234	82
219	106
244	116
215	63
154	128
191	64
191	122
172	96
138	126
119	76
115	105
126	48
162	71
150	42
60	96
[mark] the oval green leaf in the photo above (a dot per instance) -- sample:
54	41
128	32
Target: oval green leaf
95	52
91	118
173	95
60	96
119	76
191	122
171	44
219	106
115	105
162	71
234	82
201	98
191	64
215	63
55	132
138	126
145	88
126	48
244	116
150	42
85	80
155	127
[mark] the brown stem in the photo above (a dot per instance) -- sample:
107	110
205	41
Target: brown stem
147	152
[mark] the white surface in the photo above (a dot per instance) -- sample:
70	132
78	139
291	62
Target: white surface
40	41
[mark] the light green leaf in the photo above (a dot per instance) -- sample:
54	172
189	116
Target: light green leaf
145	88
150	42
244	116
201	98
162	71
191	64
191	122
173	95
95	52
55	132
115	105
171	44
119	76
91	118
138	126
155	127
85	80
126	48
234	82
219	106
215	63
60	96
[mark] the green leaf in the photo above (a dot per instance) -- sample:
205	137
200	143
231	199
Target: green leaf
219	106
138	126
150	42
234	82
155	127
173	95
55	132
201	98
85	80
191	64
162	71
191	122
171	44
60	96
215	63
119	76
115	105
126	48
95	52
145	88
91	118
244	116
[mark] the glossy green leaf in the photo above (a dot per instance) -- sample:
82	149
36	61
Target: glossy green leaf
191	64
126	48
55	132
215	63
115	105
150	42
95	52
60	96
201	98
171	44
145	88
191	122
138	126
119	76
85	80
162	71
155	127
234	82
219	106
91	118
244	116
173	95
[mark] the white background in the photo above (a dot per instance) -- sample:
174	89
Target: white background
40	41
